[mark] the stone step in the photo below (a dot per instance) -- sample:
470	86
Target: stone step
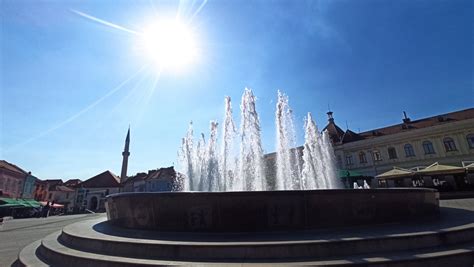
88	236
49	252
28	257
52	252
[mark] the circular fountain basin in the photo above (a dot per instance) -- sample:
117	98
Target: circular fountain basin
264	211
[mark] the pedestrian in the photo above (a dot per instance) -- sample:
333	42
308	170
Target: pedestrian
46	210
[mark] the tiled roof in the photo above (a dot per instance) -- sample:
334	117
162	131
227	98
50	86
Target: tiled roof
62	188
137	177
335	133
350	136
52	183
105	179
11	167
421	123
72	182
162	173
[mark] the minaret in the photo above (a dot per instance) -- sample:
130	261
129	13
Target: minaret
125	155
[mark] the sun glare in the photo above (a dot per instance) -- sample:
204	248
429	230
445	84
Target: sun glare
169	44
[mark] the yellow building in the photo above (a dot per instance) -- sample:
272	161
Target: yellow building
446	138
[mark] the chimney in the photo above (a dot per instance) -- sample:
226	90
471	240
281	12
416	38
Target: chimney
405	118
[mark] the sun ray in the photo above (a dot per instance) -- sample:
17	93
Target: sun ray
197	11
131	92
103	22
147	96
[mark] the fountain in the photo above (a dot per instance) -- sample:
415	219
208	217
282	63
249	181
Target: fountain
206	171
233	212
232	191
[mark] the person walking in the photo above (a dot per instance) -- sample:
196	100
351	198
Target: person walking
46	210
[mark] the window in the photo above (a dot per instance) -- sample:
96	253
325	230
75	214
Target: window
392	153
428	147
7	184
362	157
470	140
409	152
449	144
349	160
339	160
377	156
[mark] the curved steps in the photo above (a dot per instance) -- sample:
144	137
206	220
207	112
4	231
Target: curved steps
59	255
257	247
95	243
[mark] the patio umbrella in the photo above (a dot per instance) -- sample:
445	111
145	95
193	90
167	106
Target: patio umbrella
394	173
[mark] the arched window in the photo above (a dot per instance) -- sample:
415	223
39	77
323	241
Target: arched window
428	147
449	144
409	152
362	157
376	155
470	140
392	153
349	160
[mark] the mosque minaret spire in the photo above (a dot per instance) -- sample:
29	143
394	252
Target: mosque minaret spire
125	154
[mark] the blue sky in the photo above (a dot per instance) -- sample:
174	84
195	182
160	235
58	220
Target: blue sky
64	116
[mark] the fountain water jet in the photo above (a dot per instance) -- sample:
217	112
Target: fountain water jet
244	171
287	160
251	152
227	167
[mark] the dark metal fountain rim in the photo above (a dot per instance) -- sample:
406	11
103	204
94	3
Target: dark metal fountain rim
275	192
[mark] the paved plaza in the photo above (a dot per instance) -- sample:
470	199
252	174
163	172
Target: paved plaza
16	234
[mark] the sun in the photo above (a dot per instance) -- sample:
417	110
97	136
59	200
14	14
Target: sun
168	44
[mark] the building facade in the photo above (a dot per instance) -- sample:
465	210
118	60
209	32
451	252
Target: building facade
159	180
90	194
446	138
12	179
41	191
44	189
135	183
60	194
29	186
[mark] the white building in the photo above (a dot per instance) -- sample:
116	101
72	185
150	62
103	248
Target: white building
91	193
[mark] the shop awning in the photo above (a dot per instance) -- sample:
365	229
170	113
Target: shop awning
30	203
469	167
396	172
347	173
44	203
440	169
20	203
